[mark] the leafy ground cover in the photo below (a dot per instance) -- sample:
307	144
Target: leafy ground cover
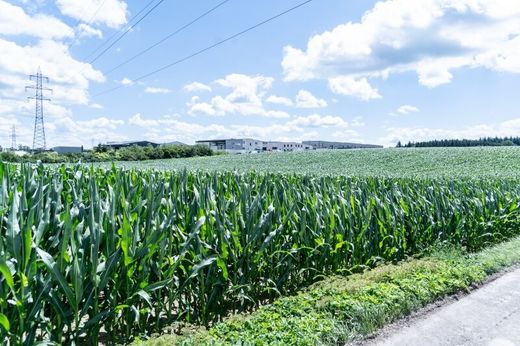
344	309
451	163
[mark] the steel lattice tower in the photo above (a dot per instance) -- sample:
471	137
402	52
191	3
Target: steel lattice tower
13	138
39	142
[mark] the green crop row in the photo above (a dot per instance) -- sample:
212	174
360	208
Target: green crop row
450	163
103	255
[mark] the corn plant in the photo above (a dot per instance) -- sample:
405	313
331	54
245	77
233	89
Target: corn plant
90	255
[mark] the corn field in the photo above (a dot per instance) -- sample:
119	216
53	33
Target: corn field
90	255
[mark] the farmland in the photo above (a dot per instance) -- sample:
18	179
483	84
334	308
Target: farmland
492	162
93	254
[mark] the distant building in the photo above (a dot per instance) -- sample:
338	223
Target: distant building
68	150
249	145
340	145
119	145
285	146
234	145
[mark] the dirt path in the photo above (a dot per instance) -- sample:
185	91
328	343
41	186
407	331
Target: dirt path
488	316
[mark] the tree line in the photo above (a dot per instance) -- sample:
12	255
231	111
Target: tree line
481	142
103	154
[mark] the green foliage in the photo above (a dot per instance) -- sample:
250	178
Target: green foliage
90	253
485	141
340	310
102	154
451	163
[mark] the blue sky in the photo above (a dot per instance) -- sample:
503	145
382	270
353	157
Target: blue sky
346	70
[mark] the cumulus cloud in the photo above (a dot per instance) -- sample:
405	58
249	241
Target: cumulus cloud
279	100
66	129
112	13
60	126
197	87
15	21
407	109
85	30
126	82
245	98
430	37
316	120
152	90
69	77
96	106
297	129
197	107
305	99
346	85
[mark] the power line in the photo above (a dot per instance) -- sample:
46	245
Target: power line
91	20
179	30
188	57
125	32
121	30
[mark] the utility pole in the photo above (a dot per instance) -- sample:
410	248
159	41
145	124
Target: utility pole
13	138
39	142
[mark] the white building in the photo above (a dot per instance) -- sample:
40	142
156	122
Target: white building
285	146
250	145
234	145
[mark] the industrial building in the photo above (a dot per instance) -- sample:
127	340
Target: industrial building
285	146
248	145
67	150
340	145
234	145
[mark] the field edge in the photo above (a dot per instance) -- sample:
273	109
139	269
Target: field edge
340	310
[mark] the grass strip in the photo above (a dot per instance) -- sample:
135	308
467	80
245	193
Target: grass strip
343	309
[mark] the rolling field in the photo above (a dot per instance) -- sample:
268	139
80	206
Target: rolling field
499	162
90	254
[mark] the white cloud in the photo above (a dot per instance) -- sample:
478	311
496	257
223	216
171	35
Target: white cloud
14	21
316	120
152	90
196	87
96	106
60	126
69	78
112	13
197	107
245	87
126	82
415	134
297	129
85	30
138	120
407	109
245	98
102	122
279	100
66	130
429	37
361	89
358	122
305	99
276	114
